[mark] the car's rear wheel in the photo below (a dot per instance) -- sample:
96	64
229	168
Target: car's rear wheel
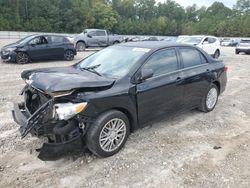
22	58
69	55
210	99
237	52
80	46
108	134
216	54
116	42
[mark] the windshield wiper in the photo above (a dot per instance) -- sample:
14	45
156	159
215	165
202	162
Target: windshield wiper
92	69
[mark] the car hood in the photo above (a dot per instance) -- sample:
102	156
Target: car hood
11	45
52	80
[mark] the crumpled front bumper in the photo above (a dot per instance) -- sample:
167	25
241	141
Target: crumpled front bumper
10	57
29	123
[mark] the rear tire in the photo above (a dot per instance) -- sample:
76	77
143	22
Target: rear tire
22	58
116	42
108	134
69	55
237	52
210	99
80	46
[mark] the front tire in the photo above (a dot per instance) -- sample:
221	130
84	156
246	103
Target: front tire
108	134
80	46
210	99
22	58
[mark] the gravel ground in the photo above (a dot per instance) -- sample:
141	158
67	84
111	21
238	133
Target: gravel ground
178	152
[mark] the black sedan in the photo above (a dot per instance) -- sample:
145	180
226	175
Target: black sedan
100	100
39	47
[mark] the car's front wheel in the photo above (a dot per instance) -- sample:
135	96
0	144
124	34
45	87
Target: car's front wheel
108	134
80	46
69	55
22	58
210	99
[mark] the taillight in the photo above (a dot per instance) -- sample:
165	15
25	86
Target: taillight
225	68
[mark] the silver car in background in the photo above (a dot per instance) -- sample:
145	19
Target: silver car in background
96	38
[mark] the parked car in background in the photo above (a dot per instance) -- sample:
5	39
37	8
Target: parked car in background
209	44
228	42
181	37
150	39
96	38
38	47
244	46
100	100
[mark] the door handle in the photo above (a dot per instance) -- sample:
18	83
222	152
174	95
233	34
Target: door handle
178	80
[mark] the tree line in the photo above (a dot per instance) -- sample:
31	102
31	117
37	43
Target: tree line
143	17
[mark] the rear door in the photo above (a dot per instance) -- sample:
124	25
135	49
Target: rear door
161	95
102	38
195	75
56	46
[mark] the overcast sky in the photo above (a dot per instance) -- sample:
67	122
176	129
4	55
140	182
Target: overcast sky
185	3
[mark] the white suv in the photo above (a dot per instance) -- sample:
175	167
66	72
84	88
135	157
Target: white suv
209	44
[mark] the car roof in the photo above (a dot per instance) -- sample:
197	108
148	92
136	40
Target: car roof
93	29
197	36
51	35
154	44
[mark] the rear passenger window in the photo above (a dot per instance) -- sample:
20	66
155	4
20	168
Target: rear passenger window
100	33
162	62
57	39
192	57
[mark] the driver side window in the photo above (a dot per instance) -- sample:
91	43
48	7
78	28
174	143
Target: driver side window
38	41
162	62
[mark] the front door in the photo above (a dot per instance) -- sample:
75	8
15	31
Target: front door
38	48
162	94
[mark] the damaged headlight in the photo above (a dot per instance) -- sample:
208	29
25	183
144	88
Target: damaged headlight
65	111
8	50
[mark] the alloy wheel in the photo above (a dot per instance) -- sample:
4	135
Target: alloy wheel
69	55
22	58
80	46
112	135
211	98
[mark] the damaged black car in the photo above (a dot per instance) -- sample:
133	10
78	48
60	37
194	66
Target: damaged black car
99	101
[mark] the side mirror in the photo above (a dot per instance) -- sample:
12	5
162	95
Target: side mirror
88	35
205	42
146	73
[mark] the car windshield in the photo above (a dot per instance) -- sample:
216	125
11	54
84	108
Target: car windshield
24	40
192	40
114	62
